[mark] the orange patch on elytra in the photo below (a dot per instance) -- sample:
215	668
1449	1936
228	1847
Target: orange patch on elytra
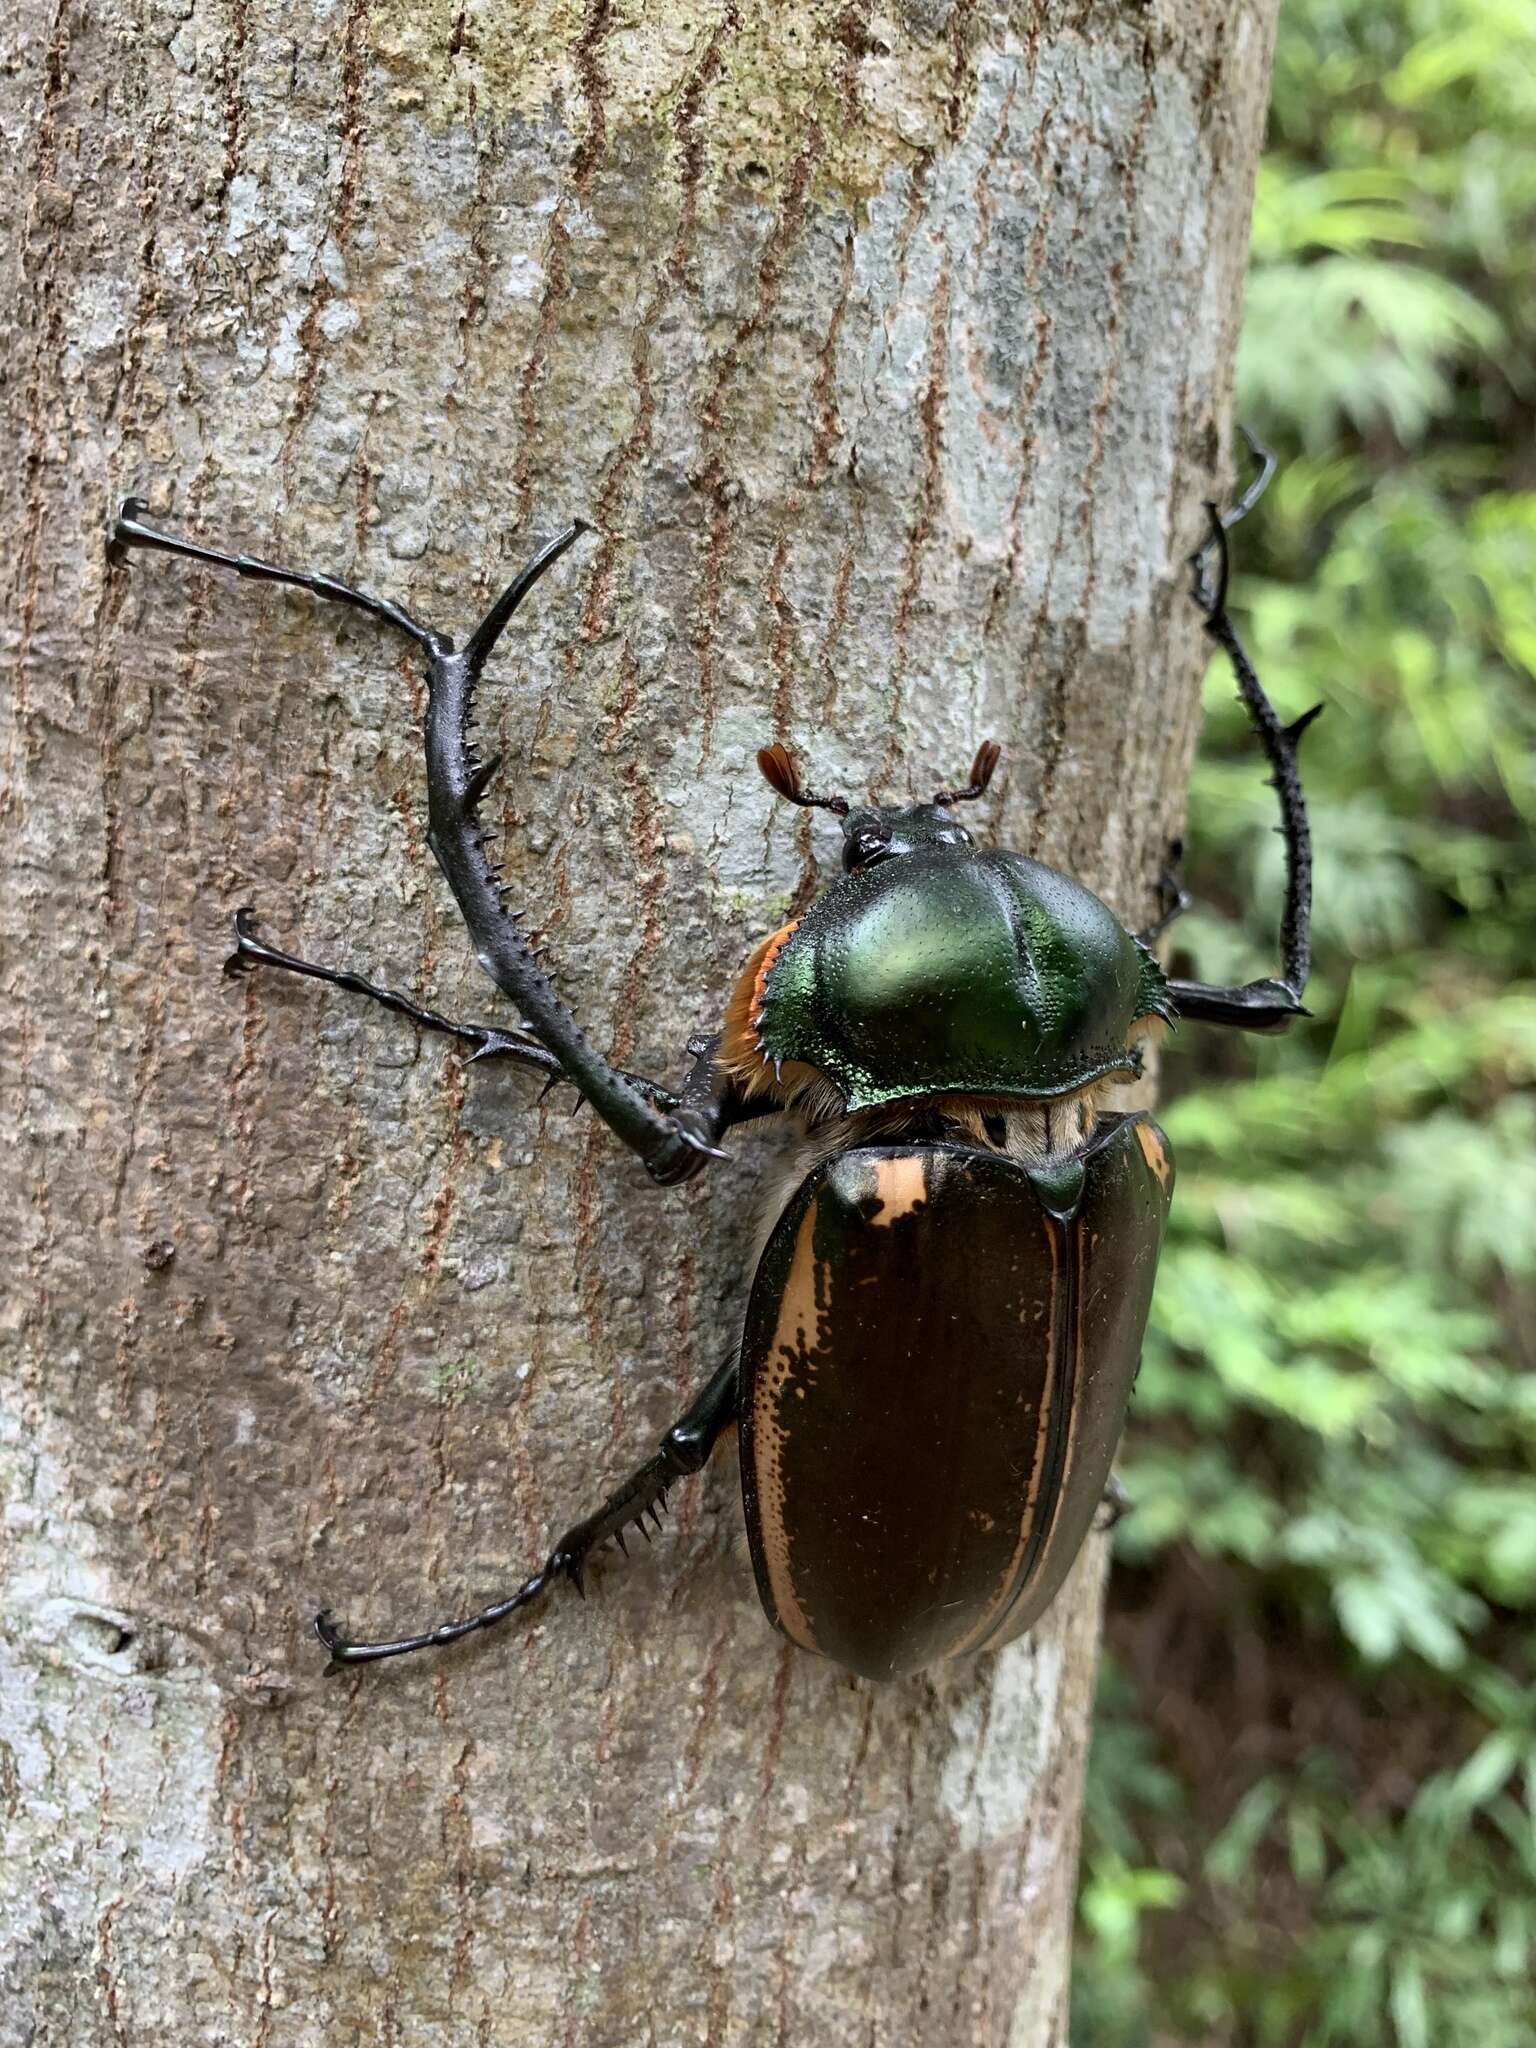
1155	1152
900	1186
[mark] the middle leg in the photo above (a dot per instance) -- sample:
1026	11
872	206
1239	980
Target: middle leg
707	1104
1173	899
488	1040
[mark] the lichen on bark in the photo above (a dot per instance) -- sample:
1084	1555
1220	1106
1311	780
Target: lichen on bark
893	442
736	89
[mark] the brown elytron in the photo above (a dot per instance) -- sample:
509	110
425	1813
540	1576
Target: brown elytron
921	1461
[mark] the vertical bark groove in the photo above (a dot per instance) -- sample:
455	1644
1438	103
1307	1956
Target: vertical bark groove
890	354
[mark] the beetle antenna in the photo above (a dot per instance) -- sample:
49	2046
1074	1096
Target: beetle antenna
988	754
778	769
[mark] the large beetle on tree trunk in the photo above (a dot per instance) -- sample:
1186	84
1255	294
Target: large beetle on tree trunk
946	1319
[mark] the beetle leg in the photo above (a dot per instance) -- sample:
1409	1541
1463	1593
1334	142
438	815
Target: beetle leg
490	1041
1264	467
1174	899
1114	1505
456	782
129	531
1267	1005
684	1450
711	1102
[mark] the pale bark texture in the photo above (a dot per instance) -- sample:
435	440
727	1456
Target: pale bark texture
890	354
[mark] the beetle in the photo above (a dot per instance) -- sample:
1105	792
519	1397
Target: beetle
947	1314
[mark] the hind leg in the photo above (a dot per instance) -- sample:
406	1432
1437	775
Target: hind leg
684	1449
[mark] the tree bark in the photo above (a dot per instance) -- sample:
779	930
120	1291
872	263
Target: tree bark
890	354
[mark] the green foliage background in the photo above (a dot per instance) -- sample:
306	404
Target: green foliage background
1314	1774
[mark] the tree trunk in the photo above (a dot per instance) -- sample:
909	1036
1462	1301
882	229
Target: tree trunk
890	354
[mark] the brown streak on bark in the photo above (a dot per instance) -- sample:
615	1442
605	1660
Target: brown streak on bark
354	77
688	133
837	619
714	480
689	143
961	15
557	288
477	272
263	2033
231	80
709	1694
647	843
594	30
589	1283
773	1742
930	412
386	1358
611	499
722	1929
456	1842
628	697
45	352
107	1969
982	202
781	647
579	1938
332	1933
444	1202
829	424
1057	709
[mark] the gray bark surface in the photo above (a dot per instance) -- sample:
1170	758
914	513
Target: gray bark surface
890	353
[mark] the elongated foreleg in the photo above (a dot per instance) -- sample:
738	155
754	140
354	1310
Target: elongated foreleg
672	1147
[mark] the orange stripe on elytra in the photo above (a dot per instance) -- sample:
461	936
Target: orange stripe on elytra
1010	1586
789	1365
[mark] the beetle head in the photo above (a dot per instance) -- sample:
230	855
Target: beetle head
875	833
871	836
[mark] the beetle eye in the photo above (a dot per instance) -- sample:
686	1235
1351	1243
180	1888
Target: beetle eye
864	847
